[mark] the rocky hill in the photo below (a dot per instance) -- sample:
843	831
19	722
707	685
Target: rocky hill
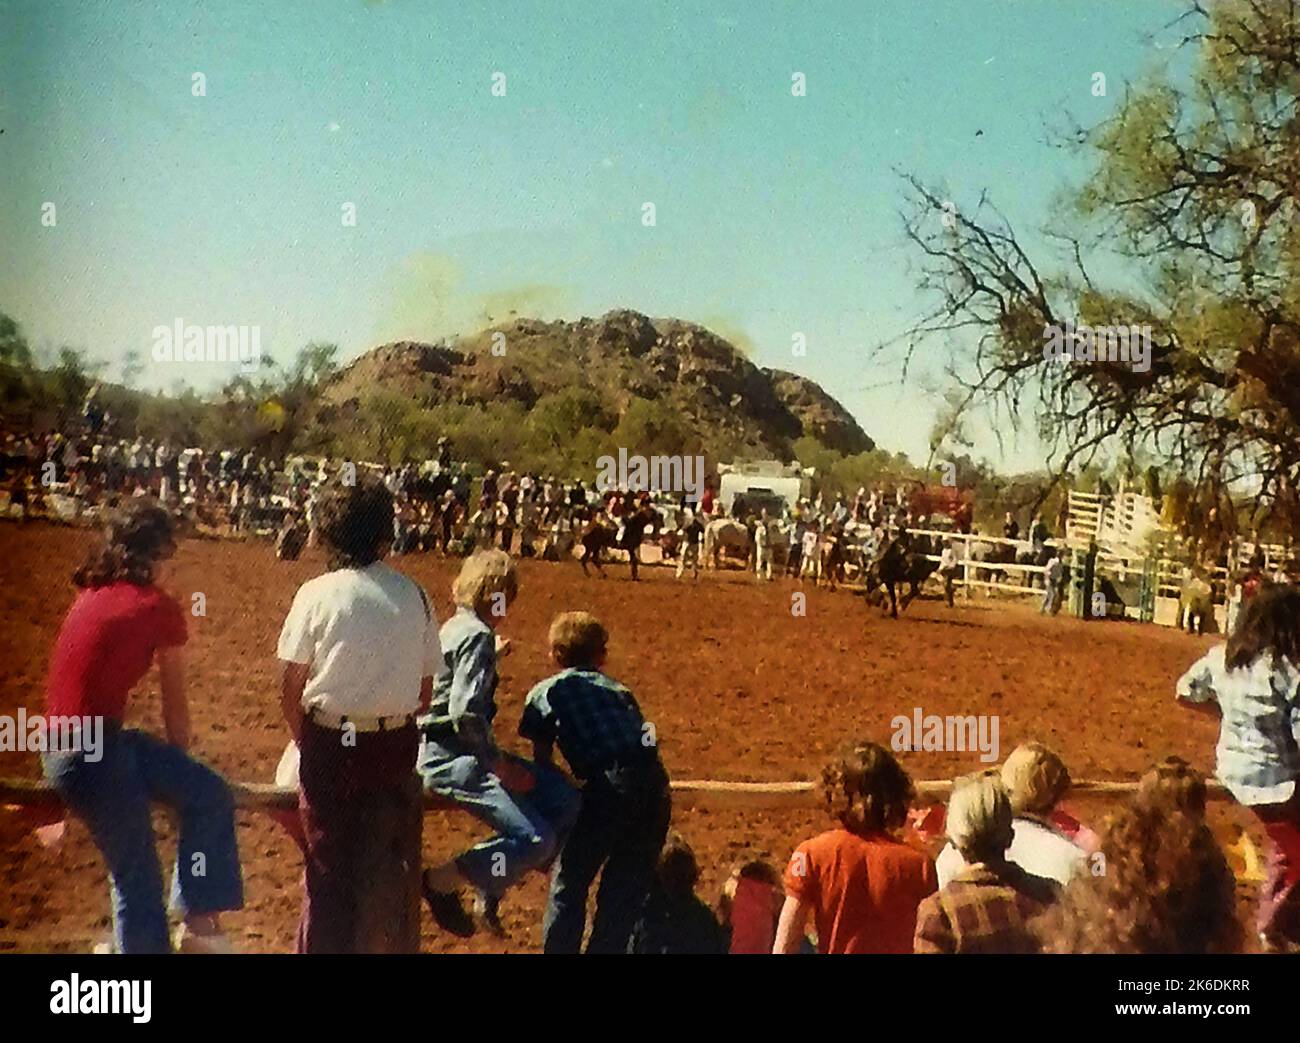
622	356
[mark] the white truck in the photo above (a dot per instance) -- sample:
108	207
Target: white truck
764	483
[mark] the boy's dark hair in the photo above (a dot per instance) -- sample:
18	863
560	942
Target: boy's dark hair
678	870
1269	622
759	869
137	537
867	789
356	521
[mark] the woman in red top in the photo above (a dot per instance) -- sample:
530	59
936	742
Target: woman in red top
119	625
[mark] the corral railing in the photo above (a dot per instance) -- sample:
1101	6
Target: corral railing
1005	577
254	796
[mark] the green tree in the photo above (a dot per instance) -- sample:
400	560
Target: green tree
650	427
14	349
1192	208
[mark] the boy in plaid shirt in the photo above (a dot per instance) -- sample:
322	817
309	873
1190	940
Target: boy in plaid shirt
626	806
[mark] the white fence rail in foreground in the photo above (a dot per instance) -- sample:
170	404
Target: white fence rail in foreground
254	796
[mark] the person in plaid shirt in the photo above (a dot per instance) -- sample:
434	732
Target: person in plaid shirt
626	807
986	908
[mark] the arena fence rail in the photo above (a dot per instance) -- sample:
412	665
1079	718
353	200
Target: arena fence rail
255	796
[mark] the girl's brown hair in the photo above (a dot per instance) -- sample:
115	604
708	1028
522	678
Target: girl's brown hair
1269	623
1165	888
137	537
867	789
1175	781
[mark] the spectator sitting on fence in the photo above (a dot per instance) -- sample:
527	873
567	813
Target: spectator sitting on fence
529	806
674	921
987	906
1035	780
121	623
1252	684
859	883
1166	889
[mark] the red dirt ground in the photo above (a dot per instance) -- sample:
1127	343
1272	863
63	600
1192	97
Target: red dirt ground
736	686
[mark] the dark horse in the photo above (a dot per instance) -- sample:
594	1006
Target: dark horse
901	562
598	536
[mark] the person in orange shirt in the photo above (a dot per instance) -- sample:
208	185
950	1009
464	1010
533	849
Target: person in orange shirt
859	882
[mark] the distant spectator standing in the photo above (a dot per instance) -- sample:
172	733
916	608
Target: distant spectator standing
948	569
1053	582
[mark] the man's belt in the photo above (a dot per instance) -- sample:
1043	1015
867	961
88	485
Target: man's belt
358	722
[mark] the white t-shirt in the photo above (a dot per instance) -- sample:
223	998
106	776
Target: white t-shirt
1035	848
368	638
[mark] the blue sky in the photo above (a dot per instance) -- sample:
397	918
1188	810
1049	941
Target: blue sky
774	214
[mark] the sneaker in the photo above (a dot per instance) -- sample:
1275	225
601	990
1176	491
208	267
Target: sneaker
187	941
447	911
487	912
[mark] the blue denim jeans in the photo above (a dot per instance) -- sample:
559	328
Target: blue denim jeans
113	796
622	825
530	827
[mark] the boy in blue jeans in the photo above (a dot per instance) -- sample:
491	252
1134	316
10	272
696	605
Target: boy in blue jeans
623	819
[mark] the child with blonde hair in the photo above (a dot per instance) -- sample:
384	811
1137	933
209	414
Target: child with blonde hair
530	806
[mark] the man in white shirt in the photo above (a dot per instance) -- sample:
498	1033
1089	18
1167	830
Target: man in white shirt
360	652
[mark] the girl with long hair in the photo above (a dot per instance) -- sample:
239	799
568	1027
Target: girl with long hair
122	623
1252	684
